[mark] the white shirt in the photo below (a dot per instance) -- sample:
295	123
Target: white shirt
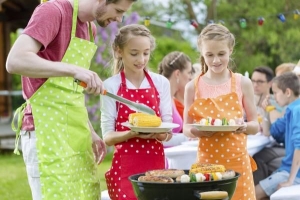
112	84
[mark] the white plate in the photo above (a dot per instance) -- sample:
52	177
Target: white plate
216	128
164	127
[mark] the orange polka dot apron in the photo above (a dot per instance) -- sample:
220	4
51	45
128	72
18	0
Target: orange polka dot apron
228	149
134	155
64	145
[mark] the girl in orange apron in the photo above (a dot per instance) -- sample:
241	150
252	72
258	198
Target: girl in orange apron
219	93
134	153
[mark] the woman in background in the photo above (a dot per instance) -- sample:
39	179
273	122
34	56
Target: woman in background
177	68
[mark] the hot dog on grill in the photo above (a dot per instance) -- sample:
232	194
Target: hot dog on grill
157	179
172	173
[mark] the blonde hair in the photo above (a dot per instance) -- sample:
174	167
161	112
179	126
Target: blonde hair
284	67
214	32
171	62
123	36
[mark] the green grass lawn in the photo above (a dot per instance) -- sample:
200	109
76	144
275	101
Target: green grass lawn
13	177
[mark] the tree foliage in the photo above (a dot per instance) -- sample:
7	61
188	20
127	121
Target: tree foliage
166	45
271	44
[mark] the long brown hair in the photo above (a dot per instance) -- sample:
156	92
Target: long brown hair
215	32
123	36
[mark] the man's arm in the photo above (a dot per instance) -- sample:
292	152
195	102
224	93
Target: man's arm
23	60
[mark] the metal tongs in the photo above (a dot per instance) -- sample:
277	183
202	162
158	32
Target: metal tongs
132	105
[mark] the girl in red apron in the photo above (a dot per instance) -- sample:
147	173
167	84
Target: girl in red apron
134	152
219	93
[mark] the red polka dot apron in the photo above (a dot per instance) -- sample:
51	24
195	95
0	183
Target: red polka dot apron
228	149
64	144
134	155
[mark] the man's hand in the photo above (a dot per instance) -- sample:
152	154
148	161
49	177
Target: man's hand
91	81
99	148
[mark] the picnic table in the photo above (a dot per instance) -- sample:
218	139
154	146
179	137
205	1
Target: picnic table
184	155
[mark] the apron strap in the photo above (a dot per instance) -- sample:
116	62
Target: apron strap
233	82
197	94
20	113
74	23
91	32
149	79
253	164
74	18
123	79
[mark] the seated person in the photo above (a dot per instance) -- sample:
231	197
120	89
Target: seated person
296	70
261	80
269	158
179	95
283	68
286	88
280	69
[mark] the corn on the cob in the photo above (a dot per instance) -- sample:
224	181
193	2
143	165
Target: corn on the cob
259	119
147	121
270	108
132	115
206	168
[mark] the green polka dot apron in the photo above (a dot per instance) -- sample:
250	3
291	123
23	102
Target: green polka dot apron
64	144
228	149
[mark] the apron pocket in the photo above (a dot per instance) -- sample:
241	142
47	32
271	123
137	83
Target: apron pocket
78	131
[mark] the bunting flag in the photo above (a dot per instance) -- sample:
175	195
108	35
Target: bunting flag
243	22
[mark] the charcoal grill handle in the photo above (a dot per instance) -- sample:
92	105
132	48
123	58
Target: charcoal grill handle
212	195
